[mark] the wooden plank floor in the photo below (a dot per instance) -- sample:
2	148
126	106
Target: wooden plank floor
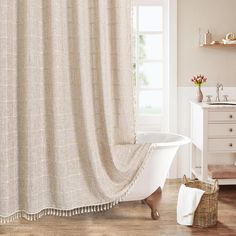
131	218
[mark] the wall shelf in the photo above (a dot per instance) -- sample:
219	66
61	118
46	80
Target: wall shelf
218	45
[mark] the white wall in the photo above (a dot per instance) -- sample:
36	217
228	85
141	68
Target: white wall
218	64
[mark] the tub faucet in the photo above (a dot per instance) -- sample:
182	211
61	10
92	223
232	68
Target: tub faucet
218	86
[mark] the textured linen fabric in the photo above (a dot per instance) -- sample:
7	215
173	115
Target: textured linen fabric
66	107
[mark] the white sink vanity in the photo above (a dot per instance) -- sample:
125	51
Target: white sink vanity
213	133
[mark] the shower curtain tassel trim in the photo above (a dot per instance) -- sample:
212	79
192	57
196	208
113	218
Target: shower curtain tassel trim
79	210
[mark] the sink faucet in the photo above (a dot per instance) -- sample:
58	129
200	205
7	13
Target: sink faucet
218	86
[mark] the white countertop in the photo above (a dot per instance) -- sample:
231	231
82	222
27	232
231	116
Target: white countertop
206	105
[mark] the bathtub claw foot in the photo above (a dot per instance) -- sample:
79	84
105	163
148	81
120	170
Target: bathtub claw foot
152	202
155	215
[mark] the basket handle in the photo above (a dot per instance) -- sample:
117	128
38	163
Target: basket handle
216	184
185	180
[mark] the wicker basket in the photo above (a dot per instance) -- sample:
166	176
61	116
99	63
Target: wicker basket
206	213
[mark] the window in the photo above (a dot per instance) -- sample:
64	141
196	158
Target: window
151	64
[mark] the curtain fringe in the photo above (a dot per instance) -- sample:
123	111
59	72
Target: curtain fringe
76	211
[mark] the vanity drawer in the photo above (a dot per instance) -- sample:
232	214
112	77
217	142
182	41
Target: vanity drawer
221	130
227	144
222	116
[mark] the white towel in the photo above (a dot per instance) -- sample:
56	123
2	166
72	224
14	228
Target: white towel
188	201
225	41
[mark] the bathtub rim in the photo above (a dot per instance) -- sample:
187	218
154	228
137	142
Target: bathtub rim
183	139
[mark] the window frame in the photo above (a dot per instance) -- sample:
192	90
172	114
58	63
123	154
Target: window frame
165	121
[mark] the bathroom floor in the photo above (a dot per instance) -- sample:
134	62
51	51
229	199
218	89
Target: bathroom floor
132	219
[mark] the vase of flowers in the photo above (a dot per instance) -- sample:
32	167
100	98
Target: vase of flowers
198	81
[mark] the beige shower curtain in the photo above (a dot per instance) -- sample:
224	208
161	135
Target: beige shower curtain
66	107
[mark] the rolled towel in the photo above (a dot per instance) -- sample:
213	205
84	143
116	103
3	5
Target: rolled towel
225	41
188	200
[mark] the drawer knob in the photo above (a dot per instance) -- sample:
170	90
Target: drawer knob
231	145
230	116
230	130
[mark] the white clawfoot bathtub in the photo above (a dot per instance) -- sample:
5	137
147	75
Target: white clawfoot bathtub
158	164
